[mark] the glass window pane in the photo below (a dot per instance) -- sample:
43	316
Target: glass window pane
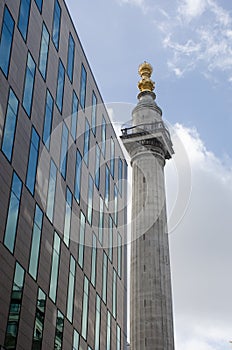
97	166
90	201
51	191
71	53
32	162
103	136
23	20
74	116
83	87
75	340
13	211
43	58
39	4
101	221
94	112
39	321
56	24
104	277
81	241
35	242
71	289
10	125
55	267
64	151
59	331
6	41
60	86
15	307
94	260
85	303
68	214
86	142
29	84
48	119
107	185
78	176
112	155
97	323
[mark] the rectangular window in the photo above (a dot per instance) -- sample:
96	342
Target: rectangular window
83	86
6	41
120	175
48	120
104	277
101	221
13	211
112	155
97	323
74	116
107	185
94	260
60	86
51	191
71	289
68	215
35	242
97	166
94	112
32	162
115	205
85	307
78	177
114	294
64	151
108	332
86	142
29	85
56	24
15	307
103	136
10	125
81	241
76	338
119	243
55	267
39	4
118	337
71	54
59	331
39	321
90	200
43	56
110	238
24	14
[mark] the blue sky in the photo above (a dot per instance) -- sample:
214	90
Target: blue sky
189	44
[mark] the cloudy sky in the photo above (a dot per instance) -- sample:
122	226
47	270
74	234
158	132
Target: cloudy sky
189	44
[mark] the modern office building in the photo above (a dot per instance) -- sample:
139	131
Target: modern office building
62	194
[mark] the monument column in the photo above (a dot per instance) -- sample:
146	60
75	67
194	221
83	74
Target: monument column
149	144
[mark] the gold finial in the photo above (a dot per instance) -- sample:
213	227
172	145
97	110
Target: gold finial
145	71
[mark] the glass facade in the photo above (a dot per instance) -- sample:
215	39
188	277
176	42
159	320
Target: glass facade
44	46
120	167
118	338
24	13
108	331
35	242
6	41
56	216
119	260
13	213
15	308
29	85
10	125
32	162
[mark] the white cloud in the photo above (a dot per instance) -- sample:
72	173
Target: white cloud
139	3
201	250
198	35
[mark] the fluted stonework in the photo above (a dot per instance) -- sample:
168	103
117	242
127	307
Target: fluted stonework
149	145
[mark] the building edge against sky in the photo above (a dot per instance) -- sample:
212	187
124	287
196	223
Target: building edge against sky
62	189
